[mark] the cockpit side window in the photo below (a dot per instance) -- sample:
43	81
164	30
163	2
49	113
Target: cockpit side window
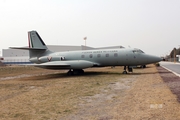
137	51
141	51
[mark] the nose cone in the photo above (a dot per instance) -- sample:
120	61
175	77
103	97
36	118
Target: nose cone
153	59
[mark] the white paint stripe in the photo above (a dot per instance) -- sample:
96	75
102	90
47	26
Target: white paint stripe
171	71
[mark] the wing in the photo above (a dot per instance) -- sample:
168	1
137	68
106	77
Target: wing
73	64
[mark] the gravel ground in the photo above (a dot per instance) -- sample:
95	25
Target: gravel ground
106	94
100	106
146	95
171	80
149	99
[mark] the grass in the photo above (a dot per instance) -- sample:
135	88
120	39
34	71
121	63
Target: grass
20	70
49	96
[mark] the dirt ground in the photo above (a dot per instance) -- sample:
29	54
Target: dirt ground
100	94
150	98
143	96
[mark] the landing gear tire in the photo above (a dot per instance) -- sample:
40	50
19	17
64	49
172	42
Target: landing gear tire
78	72
70	72
81	71
130	69
75	72
143	66
124	72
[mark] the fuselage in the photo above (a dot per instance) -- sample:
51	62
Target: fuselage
100	57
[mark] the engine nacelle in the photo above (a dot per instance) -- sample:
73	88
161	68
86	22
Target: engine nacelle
34	60
44	59
50	58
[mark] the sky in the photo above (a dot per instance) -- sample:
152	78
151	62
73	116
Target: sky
150	25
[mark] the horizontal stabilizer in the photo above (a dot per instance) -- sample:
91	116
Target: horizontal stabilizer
25	48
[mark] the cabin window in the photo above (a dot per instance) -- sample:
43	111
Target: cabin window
98	55
115	54
90	55
82	56
107	55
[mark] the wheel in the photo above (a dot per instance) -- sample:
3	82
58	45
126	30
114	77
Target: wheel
144	66
130	69
124	72
81	71
70	72
78	72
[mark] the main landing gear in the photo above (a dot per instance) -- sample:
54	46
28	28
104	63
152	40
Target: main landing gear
75	72
130	69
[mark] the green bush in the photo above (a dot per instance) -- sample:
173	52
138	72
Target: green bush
157	64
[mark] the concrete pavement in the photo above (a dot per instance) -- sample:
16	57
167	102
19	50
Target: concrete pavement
172	67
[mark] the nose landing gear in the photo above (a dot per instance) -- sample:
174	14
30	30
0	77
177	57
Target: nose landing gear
130	69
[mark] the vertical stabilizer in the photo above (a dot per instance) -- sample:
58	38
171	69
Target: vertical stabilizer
35	40
36	45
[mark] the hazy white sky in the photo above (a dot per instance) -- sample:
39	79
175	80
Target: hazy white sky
151	25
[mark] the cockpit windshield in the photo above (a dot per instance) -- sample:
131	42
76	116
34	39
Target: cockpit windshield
137	51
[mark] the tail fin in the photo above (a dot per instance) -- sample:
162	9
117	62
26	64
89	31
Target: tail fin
36	45
36	48
35	40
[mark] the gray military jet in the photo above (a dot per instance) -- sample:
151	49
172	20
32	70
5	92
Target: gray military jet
76	61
